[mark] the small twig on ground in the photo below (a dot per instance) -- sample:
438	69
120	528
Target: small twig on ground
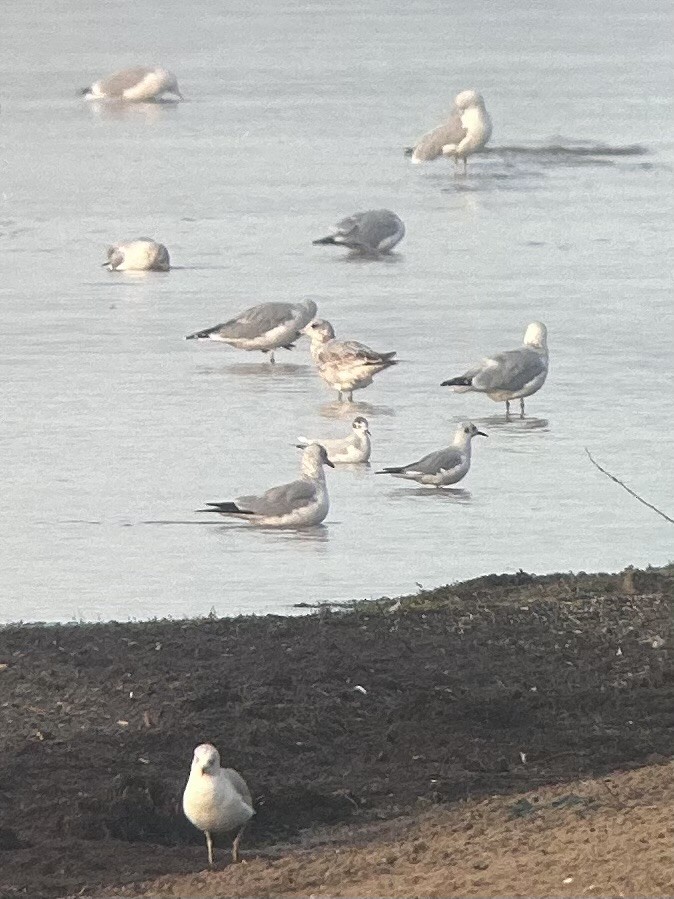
629	490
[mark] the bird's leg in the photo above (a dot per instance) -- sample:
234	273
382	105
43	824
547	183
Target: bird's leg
507	410
235	845
465	165
521	407
209	846
339	396
350	396
271	358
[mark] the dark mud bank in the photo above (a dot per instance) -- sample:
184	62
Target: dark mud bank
497	685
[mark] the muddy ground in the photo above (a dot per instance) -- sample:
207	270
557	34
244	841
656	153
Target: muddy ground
493	688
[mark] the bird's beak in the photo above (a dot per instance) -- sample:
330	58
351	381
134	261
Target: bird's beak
481	433
367	431
105	264
329	463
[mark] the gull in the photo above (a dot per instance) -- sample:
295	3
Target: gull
265	327
511	375
216	800
136	84
345	365
354	448
445	466
467	131
300	504
374	231
139	255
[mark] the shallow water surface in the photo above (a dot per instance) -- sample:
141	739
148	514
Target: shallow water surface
114	429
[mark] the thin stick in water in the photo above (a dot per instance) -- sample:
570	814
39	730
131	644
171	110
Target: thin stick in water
629	490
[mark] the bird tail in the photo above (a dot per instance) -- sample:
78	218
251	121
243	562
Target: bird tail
201	335
408	151
324	240
226	508
388	356
83	91
461	381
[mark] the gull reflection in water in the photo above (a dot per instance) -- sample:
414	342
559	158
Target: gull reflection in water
339	410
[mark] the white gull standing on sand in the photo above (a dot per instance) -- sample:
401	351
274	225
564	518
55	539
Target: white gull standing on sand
444	466
265	327
134	85
354	448
300	504
344	365
374	231
467	131
511	375
139	255
216	800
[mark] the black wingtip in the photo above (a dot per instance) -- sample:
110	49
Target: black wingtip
323	240
408	151
456	382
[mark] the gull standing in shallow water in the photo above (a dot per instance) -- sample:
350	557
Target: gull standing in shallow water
374	231
511	375
265	327
140	255
467	131
216	800
445	466
134	85
300	504
355	448
345	365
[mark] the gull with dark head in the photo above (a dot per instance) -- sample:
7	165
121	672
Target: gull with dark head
139	255
216	800
355	448
513	374
443	467
466	132
134	85
344	365
373	232
301	504
264	328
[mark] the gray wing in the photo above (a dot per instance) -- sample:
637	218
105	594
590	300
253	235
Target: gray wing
239	785
115	85
279	500
351	352
369	229
430	145
258	320
511	370
440	460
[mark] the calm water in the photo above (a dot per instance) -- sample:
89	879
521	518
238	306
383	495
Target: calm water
296	116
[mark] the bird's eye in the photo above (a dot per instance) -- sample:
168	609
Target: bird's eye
466	430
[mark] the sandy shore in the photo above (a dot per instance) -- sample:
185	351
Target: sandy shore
505	734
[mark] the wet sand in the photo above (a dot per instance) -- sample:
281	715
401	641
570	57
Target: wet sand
415	737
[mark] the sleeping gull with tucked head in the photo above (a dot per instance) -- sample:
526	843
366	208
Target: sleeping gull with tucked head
265	327
300	504
354	448
216	800
134	85
344	365
140	255
511	375
375	231
444	466
467	131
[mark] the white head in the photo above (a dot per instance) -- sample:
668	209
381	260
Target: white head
314	458
319	331
206	759
467	99
465	433
360	425
536	335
